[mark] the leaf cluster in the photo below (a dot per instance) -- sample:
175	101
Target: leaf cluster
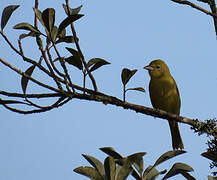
117	167
210	126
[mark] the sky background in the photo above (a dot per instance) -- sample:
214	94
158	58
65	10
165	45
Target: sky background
129	34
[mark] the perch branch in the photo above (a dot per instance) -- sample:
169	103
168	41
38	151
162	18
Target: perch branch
106	99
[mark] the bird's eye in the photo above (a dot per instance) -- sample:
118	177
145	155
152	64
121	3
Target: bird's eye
158	67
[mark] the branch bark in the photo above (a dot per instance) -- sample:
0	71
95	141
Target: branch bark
106	99
195	7
212	5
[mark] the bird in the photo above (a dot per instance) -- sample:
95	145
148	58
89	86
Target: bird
164	95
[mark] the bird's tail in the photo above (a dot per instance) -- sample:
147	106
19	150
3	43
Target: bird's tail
176	136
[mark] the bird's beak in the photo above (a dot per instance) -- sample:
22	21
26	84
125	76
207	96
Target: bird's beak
149	68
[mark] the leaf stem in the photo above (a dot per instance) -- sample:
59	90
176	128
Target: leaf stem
80	52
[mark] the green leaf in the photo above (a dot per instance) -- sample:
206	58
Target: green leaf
210	155
72	51
70	19
96	63
54	33
137	89
187	176
124	171
88	172
212	178
48	16
178	168
111	152
151	173
110	168
6	14
72	11
96	164
26	26
66	39
168	155
30	34
126	75
137	160
25	80
61	34
74	60
38	14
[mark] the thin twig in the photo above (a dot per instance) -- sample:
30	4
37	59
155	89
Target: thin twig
51	70
80	52
55	69
38	96
195	7
20	46
12	102
35	19
30	78
64	67
48	108
61	99
25	58
52	64
42	68
212	6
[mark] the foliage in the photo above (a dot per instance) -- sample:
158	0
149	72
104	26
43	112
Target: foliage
117	167
208	126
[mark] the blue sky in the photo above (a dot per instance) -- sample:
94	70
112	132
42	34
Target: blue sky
129	34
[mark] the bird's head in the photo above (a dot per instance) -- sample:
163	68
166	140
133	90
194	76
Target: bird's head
157	69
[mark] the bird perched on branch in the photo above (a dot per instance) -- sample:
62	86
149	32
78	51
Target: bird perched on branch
164	95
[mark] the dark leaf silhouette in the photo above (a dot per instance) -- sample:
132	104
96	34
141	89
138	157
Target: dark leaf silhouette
54	33
95	163
6	14
25	80
126	75
168	155
210	155
74	60
26	26
39	16
137	160
48	16
110	168
70	19
96	63
151	173
66	39
89	172
178	168
137	89
111	152
72	11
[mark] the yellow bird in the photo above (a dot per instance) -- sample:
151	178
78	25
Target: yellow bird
164	95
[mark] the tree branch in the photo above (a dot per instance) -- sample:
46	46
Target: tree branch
212	6
106	99
195	7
